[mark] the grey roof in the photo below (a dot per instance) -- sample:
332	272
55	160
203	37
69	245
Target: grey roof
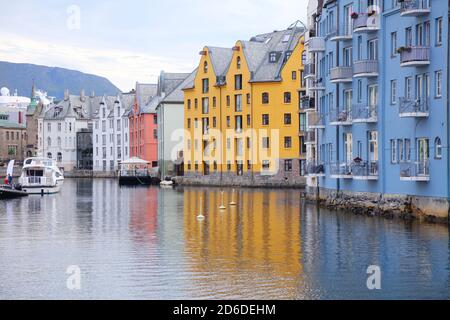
177	94
74	106
11	125
168	82
145	93
220	59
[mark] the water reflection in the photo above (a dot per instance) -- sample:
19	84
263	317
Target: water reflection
147	243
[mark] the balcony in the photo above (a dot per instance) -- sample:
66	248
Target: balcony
316	44
341	118
315	120
344	33
365	69
314	169
365	170
363	113
341	74
414	108
316	85
415	8
414	56
417	171
363	22
341	171
310	137
307	103
309	71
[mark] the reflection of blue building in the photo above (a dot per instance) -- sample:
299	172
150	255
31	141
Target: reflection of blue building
378	76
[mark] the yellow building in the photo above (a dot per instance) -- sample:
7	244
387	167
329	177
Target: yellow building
242	117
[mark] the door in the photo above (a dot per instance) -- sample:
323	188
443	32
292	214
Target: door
423	156
348	148
373	100
373	152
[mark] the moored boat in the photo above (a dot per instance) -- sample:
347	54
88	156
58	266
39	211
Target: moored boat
8	192
41	176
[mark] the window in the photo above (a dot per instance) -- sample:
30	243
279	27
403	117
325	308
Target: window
265	98
287	97
266	164
393	44
393	151
59	127
238	82
155	120
238	102
287	119
249	120
265	119
393	91
238	63
287	165
228	101
408	37
49	142
205	67
189	104
401	150
438	84
438	148
205	85
273	57
49	127
439	31
294	75
188	123
205	105
360	90
214	122
408	88
265	142
196	103
214	102
287	142
228	121
238	122
248	98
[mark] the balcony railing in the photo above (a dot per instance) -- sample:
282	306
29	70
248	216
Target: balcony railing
365	170
341	118
364	22
316	44
310	70
341	74
310	137
416	171
341	171
415	56
315	120
313	168
343	33
415	7
307	102
414	108
365	68
363	113
316	85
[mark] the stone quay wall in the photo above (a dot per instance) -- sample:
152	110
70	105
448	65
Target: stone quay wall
432	209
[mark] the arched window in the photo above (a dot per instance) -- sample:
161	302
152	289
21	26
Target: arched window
49	142
49	155
205	67
238	63
59	157
438	148
304	57
59	142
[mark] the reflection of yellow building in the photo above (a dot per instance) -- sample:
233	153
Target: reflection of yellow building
259	239
242	110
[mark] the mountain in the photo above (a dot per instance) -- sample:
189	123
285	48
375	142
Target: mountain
20	76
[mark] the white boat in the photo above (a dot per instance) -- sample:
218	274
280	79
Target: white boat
41	176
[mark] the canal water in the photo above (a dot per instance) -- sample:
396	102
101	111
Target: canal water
147	243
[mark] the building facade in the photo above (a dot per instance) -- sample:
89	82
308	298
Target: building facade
170	115
59	124
377	101
111	133
12	141
143	122
242	114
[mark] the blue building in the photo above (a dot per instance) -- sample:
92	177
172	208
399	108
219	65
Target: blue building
377	102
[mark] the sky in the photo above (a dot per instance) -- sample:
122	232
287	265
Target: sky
132	41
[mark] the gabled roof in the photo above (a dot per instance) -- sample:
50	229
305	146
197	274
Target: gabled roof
75	106
220	59
144	93
177	94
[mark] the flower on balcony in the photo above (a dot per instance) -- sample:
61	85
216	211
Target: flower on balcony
404	49
354	15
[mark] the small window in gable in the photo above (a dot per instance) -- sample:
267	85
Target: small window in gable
205	67
273	57
238	63
438	148
286	38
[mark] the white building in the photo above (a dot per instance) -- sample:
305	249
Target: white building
12	107
59	124
111	141
170	112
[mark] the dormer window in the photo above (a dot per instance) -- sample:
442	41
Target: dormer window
286	38
238	63
288	55
273	57
205	67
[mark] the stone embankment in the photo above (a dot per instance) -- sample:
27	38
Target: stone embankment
392	206
245	182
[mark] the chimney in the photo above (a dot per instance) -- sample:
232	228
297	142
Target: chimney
82	95
66	95
93	94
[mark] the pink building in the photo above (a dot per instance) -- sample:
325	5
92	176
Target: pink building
144	124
